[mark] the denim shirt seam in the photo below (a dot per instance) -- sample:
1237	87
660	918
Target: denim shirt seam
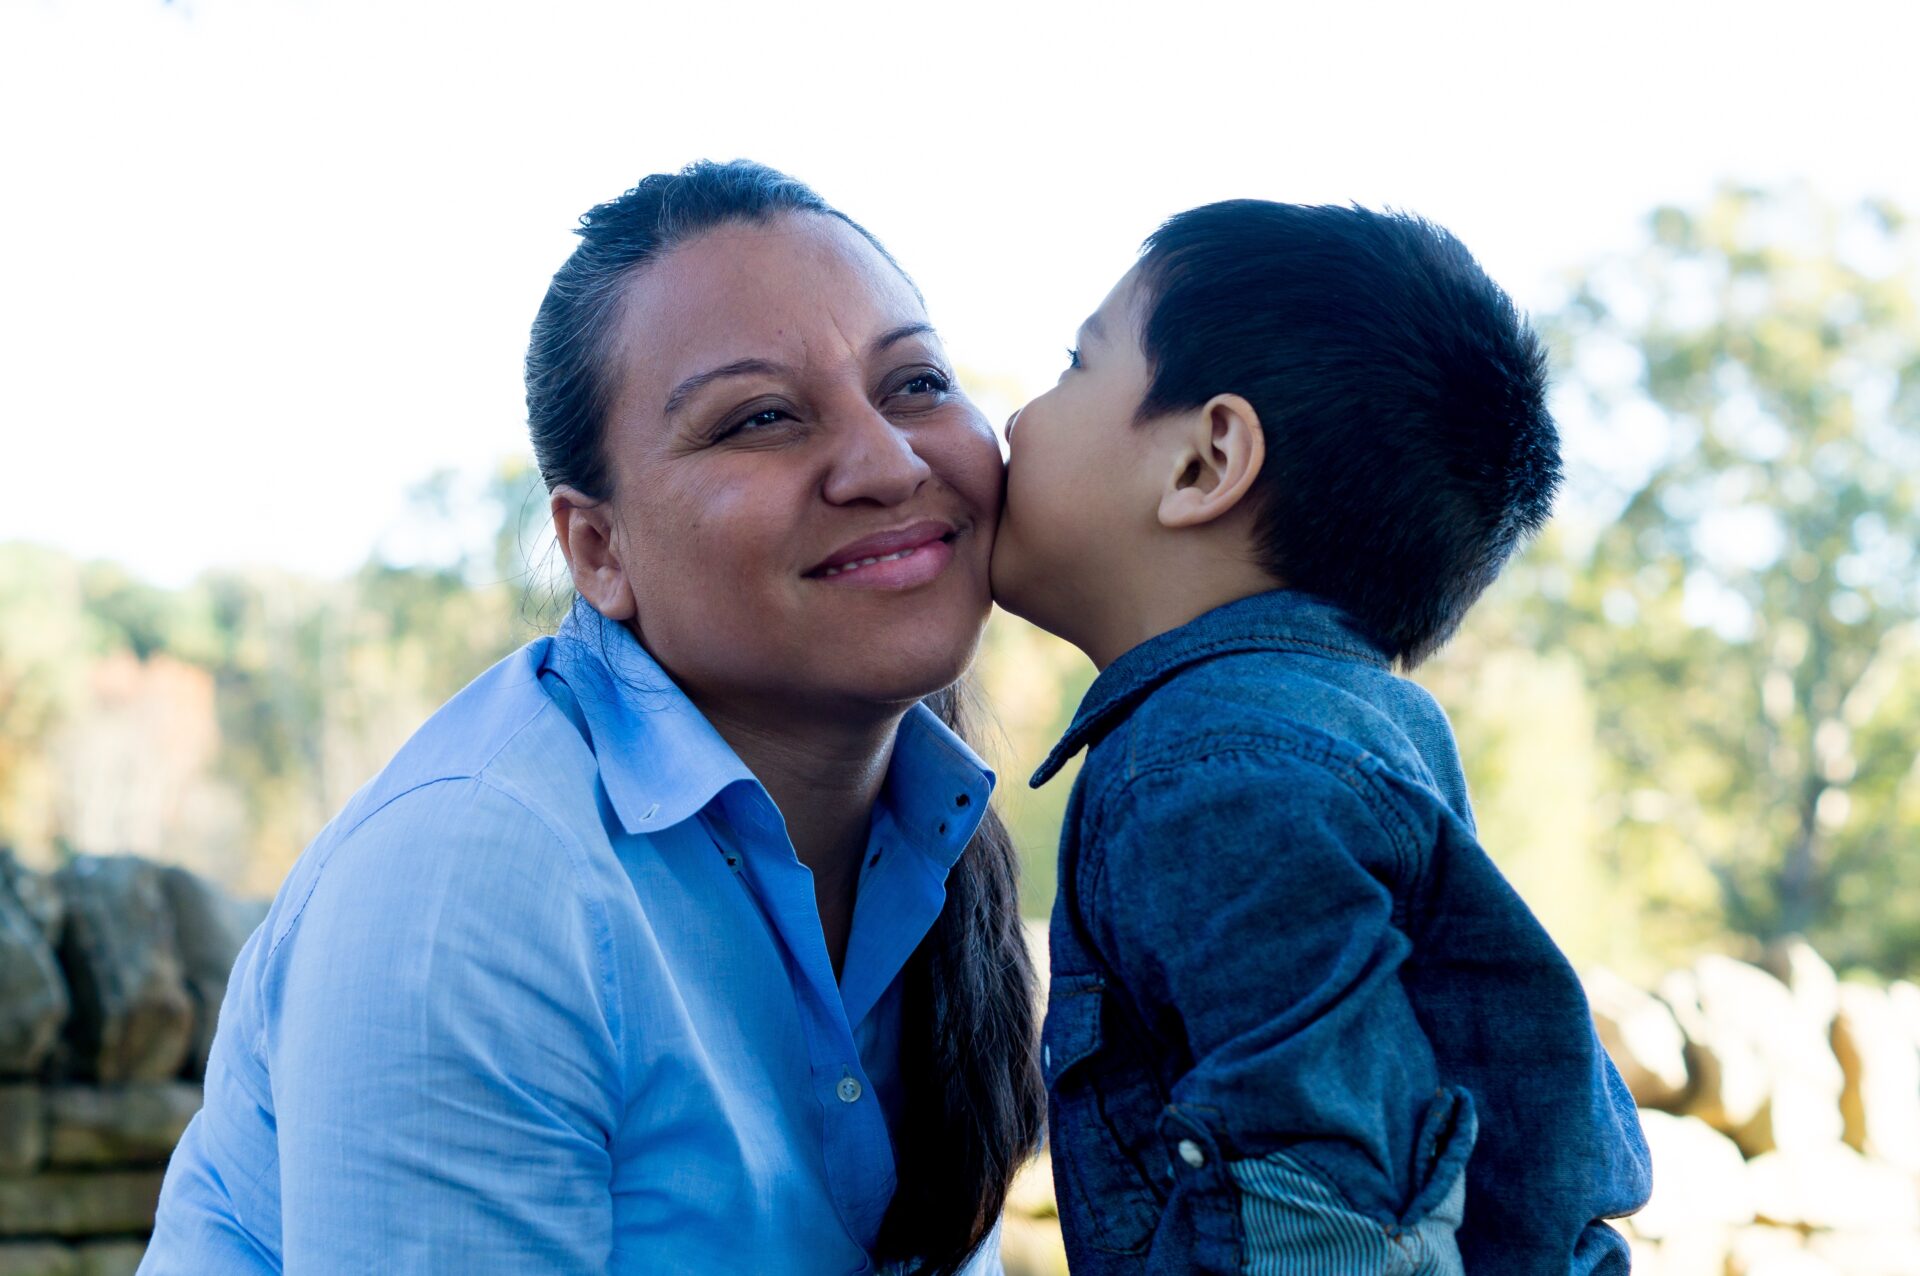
1357	774
1357	769
1117	706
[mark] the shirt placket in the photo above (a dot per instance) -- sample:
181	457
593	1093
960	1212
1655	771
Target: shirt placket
856	1147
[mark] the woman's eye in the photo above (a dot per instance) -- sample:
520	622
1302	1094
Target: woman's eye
756	421
928	382
1073	357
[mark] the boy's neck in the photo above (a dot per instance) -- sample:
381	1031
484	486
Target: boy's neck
1160	600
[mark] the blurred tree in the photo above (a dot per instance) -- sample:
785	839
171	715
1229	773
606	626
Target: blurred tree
43	626
1031	684
1747	621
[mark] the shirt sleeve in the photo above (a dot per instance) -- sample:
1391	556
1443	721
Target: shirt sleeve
444	1068
1249	904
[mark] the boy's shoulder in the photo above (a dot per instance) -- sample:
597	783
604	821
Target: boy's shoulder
1284	713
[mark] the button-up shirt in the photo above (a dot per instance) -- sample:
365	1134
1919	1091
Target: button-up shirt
1299	1022
552	994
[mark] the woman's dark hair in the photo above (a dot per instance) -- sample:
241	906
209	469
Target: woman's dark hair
1403	398
974	1099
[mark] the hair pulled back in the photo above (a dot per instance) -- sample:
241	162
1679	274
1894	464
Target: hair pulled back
975	1103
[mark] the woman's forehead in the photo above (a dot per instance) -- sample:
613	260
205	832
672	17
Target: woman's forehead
796	290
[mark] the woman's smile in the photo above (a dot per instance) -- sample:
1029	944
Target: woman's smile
903	559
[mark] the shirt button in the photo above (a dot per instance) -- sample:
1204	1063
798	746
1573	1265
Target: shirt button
1046	1057
848	1090
1190	1153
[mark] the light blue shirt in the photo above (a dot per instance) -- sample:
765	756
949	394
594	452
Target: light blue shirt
551	995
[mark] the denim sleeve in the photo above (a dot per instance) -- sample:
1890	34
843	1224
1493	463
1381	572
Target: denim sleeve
1248	901
444	1073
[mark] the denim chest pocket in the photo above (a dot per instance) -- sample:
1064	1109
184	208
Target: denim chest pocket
1102	1118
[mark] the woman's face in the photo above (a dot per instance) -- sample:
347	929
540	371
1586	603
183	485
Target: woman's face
804	501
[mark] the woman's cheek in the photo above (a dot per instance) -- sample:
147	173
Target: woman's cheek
974	467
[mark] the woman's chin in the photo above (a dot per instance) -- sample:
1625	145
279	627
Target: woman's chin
908	667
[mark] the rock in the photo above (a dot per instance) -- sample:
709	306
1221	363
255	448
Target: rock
1904	999
1031	1194
111	1258
1729	1083
63	1203
1643	1256
1699	1178
1642	1037
1758	1248
1801	1264
1880	1103
35	893
37	1258
1833	1189
23	1129
1032	1247
1815	988
132	1017
134	1124
1869	1253
211	927
1778	1083
33	997
1695	1250
1038	949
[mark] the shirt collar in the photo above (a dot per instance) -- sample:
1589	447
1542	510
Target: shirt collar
662	762
1280	620
937	786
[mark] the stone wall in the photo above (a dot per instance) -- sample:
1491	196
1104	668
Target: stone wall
1782	1109
111	974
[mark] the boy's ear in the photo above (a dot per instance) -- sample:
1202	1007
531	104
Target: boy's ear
1218	455
585	530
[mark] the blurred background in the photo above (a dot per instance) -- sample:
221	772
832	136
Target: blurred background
266	272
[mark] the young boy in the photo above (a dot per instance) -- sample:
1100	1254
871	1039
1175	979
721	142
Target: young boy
1299	1023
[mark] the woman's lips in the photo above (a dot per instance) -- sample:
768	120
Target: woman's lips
901	560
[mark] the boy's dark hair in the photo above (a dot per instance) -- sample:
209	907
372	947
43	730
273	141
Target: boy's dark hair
1403	398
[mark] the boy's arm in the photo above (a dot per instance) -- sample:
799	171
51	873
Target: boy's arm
1250	897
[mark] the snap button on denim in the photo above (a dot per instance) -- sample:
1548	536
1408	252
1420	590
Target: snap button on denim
1190	1153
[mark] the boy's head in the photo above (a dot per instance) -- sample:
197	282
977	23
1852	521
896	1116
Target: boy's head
1329	399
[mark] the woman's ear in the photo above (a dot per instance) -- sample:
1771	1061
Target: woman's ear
585	530
1218	456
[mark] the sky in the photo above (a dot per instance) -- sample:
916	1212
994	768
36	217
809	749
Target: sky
266	266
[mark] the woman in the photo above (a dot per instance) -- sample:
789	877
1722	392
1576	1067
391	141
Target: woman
682	940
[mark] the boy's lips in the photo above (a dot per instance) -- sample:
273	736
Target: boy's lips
897	559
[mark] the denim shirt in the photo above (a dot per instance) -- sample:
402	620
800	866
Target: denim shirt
1298	1021
551	995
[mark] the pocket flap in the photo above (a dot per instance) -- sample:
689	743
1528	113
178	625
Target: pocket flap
1072	1029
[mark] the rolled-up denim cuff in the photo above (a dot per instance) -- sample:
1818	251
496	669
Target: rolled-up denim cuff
1295	1222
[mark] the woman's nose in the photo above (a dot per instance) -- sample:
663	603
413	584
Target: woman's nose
1011	418
875	462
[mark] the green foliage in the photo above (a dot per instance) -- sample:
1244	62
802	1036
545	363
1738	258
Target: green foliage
1746	619
1686	714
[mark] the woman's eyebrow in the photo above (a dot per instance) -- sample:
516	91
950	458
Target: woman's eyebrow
764	367
901	333
1090	328
700	380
